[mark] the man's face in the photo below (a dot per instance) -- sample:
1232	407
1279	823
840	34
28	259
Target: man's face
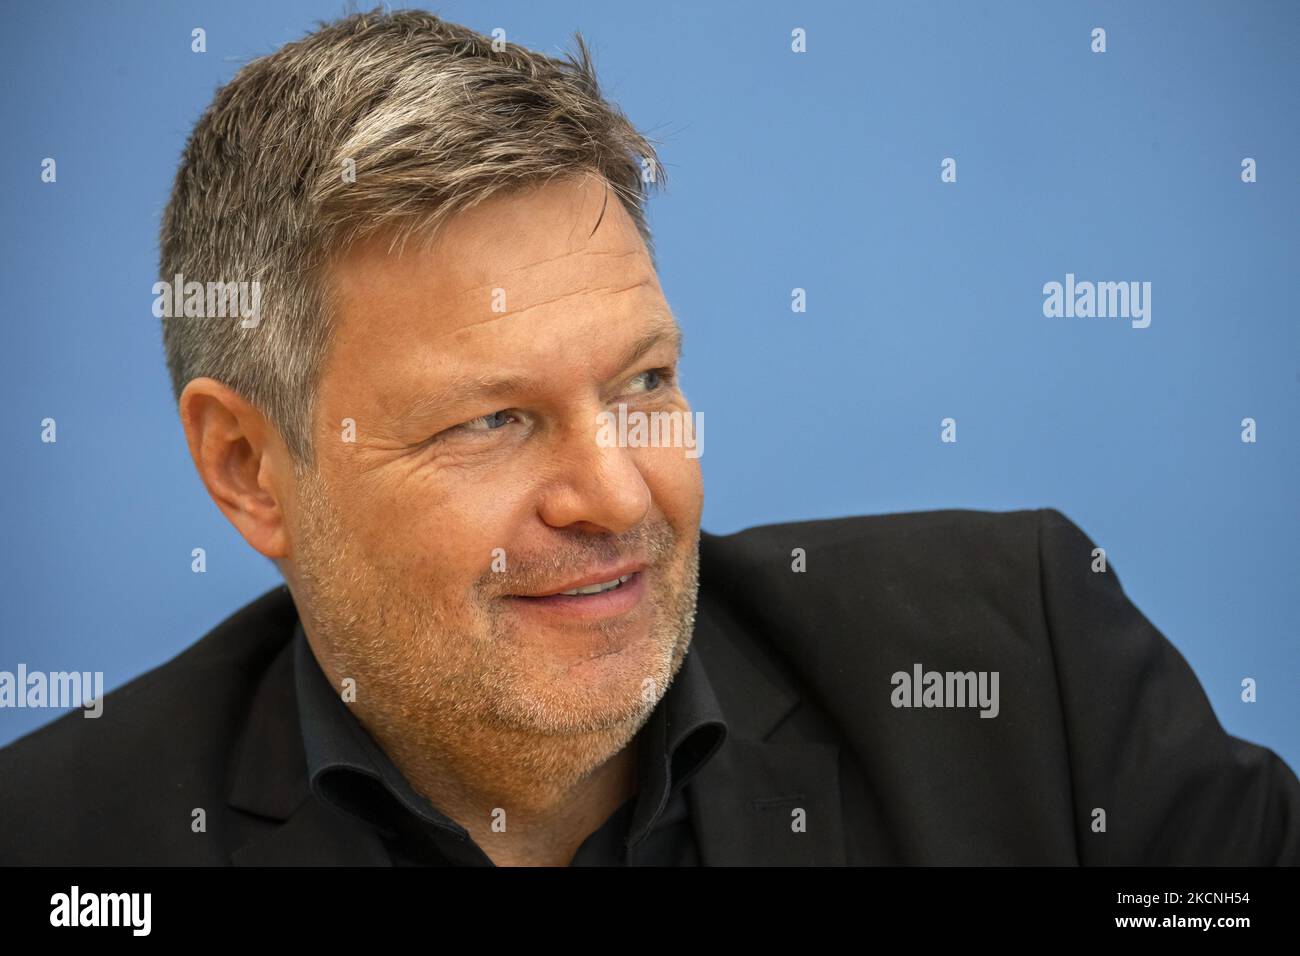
474	371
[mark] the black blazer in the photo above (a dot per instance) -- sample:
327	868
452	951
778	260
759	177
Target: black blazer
1097	711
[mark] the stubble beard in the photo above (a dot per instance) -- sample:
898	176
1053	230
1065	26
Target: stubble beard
454	680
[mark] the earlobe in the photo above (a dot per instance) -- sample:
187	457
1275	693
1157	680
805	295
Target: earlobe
236	453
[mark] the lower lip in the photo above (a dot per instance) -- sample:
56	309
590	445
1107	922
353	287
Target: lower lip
591	607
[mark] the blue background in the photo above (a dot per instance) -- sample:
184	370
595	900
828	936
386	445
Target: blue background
818	171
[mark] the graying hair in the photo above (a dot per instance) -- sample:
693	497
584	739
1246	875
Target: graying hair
435	121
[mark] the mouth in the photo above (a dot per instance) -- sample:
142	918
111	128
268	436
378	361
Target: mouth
600	588
599	581
599	596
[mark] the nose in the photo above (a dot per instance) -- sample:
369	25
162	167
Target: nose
594	488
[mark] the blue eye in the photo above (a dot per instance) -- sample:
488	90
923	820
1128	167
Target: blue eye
492	422
653	378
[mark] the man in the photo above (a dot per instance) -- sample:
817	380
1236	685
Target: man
504	640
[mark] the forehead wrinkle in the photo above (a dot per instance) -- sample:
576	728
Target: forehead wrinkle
599	290
480	288
615	253
514	313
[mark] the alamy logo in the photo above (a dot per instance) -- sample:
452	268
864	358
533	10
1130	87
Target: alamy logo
923	688
208	300
102	909
674	429
55	689
1098	300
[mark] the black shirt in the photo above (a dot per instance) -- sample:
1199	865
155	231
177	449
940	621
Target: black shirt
347	769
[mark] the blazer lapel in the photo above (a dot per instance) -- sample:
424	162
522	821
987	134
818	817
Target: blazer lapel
764	798
270	782
313	835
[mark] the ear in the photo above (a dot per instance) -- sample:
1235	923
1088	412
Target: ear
242	461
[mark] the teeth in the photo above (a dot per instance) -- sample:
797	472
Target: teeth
597	588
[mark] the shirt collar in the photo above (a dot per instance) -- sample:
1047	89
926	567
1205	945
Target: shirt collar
348	769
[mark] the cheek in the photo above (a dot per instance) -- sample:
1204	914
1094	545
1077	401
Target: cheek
676	483
446	534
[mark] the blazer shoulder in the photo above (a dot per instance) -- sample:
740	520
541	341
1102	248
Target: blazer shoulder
901	524
930	542
164	734
856	590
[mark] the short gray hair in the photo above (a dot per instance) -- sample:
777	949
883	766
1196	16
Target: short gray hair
434	120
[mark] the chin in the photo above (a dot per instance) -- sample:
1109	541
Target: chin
601	692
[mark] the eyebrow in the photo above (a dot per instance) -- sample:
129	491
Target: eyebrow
464	388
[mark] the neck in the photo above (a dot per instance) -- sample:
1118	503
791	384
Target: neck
525	799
